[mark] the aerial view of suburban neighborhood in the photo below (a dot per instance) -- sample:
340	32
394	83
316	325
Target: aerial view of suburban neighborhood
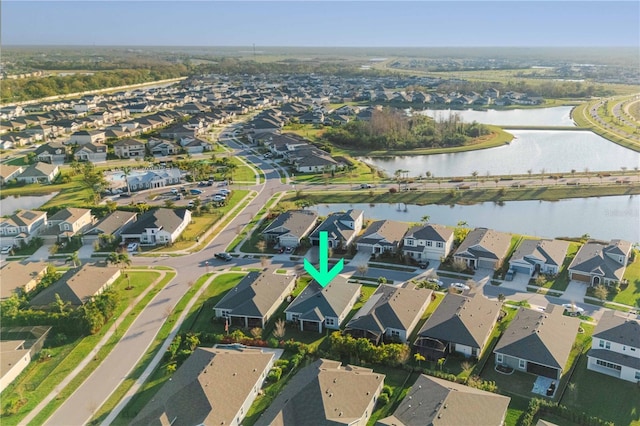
320	213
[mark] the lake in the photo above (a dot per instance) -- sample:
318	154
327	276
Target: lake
9	205
551	150
603	218
556	116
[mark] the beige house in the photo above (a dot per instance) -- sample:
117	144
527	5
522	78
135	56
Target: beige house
9	172
129	148
69	222
16	277
483	248
39	173
601	263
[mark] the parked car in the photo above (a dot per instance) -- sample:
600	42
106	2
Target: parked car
435	281
218	198
195	191
223	183
6	249
224	256
460	286
224	191
365	186
510	274
174	191
424	265
132	247
570	307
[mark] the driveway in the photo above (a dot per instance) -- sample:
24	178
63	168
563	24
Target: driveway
85	251
361	258
575	292
41	255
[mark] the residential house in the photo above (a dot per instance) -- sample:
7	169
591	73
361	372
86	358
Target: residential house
483	248
21	227
86	136
538	342
214	386
9	172
129	148
111	225
615	346
459	324
390	314
19	345
39	173
600	263
255	299
326	393
67	223
319	308
93	152
428	242
157	226
539	256
433	401
52	153
154	179
382	236
290	227
194	145
77	287
162	148
314	161
341	228
20	278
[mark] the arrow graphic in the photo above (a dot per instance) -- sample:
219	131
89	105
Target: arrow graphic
324	275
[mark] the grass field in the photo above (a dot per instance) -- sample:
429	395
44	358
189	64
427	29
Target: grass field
631	295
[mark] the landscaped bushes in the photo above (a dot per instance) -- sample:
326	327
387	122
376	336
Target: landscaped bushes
540	406
362	350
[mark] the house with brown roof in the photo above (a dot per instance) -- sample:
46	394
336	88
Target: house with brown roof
94	152
483	248
326	393
433	401
615	347
545	256
22	226
39	173
68	222
390	314
290	227
214	386
20	278
600	263
77	287
382	236
461	323
112	224
342	228
129	148
318	308
255	299
9	172
86	136
538	342
428	242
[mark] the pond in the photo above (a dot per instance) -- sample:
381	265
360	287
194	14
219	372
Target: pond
12	203
556	116
603	218
552	150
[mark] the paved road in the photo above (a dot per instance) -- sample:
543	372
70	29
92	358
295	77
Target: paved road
81	405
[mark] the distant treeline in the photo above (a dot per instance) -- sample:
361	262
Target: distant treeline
545	89
42	87
390	129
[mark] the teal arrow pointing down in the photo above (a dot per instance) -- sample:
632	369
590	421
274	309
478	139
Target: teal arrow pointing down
324	275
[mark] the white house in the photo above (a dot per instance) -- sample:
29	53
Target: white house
93	152
428	242
615	348
21	226
159	226
545	256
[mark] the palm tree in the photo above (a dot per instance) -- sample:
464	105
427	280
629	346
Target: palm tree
474	174
426	218
113	258
397	175
74	258
124	258
126	171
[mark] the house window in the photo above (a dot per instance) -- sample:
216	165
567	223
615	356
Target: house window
522	364
330	321
607	345
440	244
608	365
395	333
499	358
429	243
637	375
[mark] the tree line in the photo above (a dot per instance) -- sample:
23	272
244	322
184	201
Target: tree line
391	129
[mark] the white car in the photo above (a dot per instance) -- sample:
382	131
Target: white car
435	281
573	308
6	249
132	247
460	286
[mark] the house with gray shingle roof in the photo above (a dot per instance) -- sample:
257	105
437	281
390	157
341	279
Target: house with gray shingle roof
128	148
382	236
93	151
154	179
158	226
545	256
459	324
77	286
538	342
214	386
390	314
68	222
112	224
600	263
342	228
428	242
615	347
433	401
290	227
255	299
52	153
483	248
318	308
326	393
39	173
22	226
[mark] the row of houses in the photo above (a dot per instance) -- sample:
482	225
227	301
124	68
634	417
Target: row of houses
595	263
35	173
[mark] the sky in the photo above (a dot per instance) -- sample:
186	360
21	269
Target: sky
321	23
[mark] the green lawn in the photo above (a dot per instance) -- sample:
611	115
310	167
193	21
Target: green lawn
517	407
365	293
399	381
631	294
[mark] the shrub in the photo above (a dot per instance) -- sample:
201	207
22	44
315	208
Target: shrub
383	399
387	390
274	374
